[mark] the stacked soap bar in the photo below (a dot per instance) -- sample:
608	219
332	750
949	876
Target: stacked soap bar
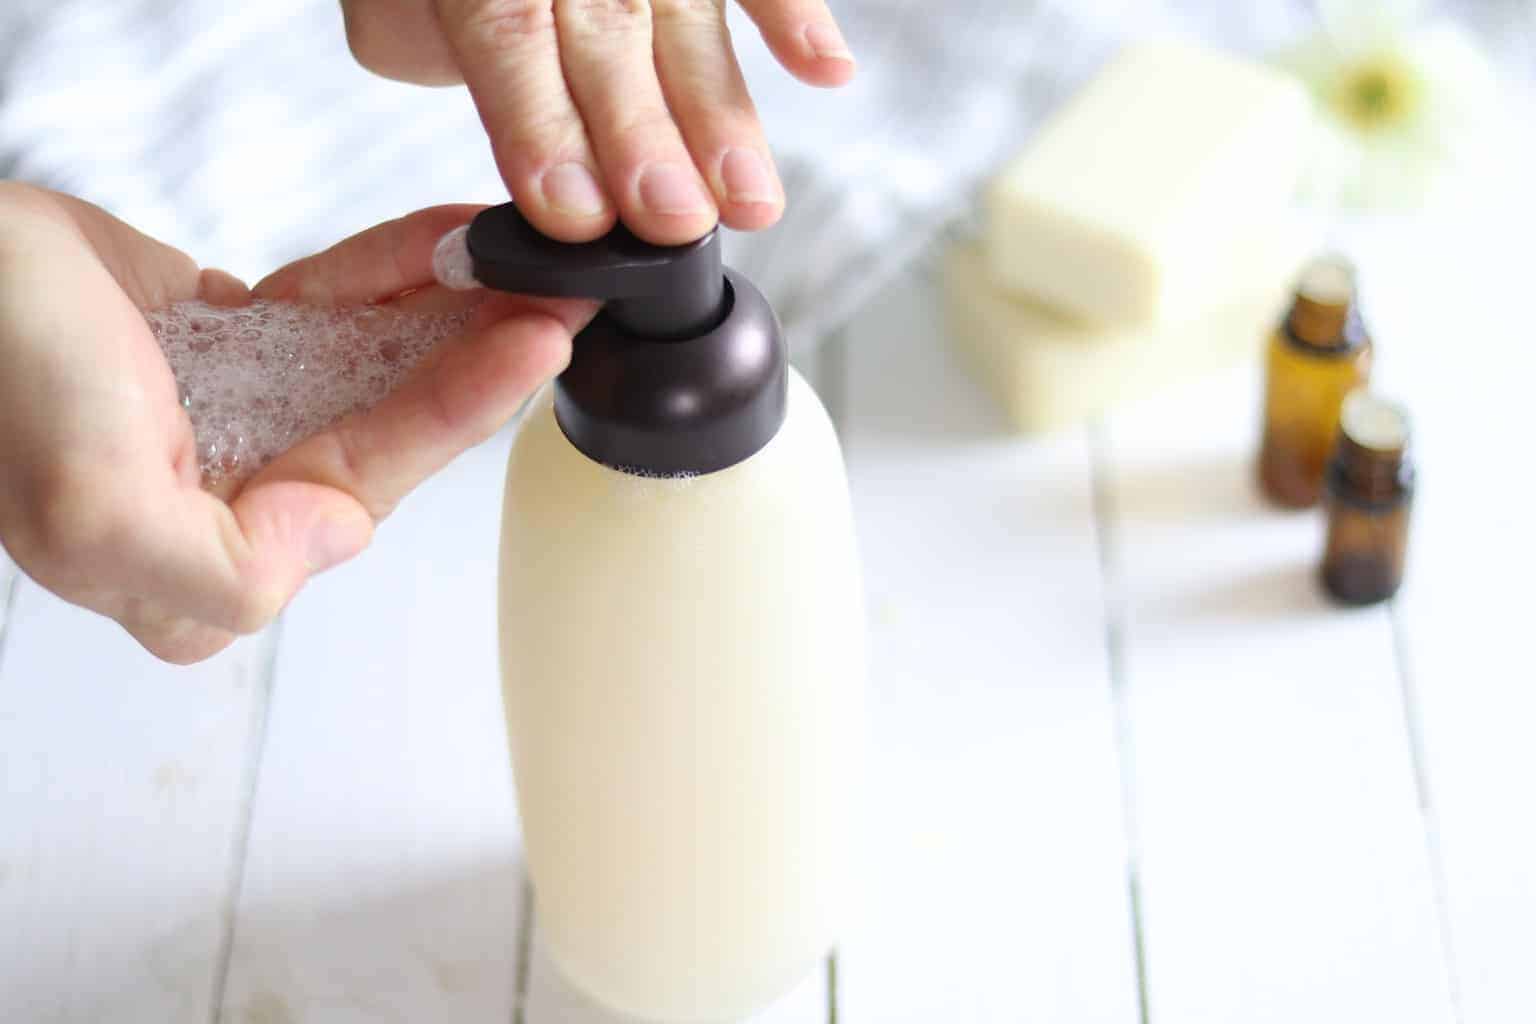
1142	234
1050	370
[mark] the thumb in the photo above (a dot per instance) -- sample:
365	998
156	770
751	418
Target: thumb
233	567
292	530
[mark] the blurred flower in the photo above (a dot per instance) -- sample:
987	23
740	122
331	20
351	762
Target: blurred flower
1404	108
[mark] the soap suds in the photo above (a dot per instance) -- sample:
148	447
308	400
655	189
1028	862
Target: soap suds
258	379
451	263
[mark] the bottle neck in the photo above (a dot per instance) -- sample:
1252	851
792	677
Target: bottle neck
1324	325
1371	474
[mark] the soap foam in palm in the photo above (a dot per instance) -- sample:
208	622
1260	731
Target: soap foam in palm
258	379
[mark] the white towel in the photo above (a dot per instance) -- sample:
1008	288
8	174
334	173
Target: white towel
245	134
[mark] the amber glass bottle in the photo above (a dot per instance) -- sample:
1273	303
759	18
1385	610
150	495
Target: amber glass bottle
1318	354
1369	485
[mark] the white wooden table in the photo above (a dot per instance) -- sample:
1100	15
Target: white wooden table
1129	765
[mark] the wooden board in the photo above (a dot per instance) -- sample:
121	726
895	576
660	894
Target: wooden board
1283	870
124	784
1458	351
383	881
996	883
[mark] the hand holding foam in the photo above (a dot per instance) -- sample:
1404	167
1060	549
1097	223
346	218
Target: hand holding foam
101	493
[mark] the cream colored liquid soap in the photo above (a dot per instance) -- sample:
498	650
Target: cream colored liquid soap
682	635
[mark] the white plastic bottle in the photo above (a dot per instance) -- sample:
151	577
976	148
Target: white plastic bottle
681	639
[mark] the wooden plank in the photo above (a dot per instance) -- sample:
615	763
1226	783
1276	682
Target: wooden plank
995	883
1456	345
123	790
383	879
1283	870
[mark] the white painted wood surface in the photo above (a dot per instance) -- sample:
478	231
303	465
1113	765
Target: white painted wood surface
1283	868
383	847
1462	354
123	794
1117	731
996	881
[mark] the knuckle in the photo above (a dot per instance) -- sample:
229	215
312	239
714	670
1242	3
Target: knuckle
363	38
443	407
20	195
350	459
255	609
180	641
689	12
20	202
456	407
503	24
540	137
75	518
405	45
609	17
644	124
353	465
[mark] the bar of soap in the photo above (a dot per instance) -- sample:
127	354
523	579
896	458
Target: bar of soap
1050	371
1133	192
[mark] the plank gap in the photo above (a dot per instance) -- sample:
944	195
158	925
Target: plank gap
1413	725
241	842
10	583
1112	584
524	951
832	987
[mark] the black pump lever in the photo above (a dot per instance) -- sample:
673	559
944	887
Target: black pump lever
652	291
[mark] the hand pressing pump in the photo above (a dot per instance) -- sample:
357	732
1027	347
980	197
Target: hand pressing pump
681	634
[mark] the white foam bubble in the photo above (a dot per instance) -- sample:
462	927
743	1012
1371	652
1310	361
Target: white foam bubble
258	379
451	263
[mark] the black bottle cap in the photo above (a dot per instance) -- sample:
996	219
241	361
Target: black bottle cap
683	371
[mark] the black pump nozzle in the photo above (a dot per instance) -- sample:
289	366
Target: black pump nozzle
653	291
684	370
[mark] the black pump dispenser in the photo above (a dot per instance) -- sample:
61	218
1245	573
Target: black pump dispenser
683	371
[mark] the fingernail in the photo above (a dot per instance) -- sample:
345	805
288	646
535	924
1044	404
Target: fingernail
571	189
827	42
332	541
747	177
670	188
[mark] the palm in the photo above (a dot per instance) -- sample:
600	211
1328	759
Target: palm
102	502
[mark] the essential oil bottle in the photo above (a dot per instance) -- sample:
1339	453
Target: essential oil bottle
1369	485
1318	354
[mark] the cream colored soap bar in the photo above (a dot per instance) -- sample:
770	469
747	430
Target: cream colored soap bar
1049	371
1133	192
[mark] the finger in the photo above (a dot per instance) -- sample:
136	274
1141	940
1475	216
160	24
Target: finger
437	299
95	502
220	288
400	39
135	527
462	393
805	38
708	97
371	266
235	567
169	638
606	48
510	56
151	273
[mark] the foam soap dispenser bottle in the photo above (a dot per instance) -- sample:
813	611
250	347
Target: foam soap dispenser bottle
681	634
